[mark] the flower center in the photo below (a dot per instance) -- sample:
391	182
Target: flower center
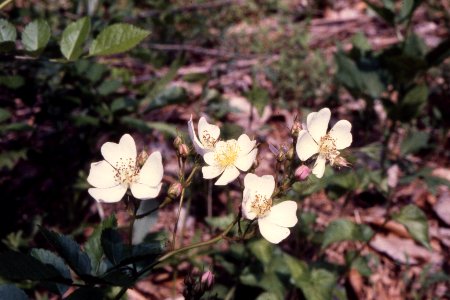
261	205
327	148
226	153
207	140
126	171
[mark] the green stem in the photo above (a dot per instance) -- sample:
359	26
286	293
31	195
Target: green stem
178	219
5	3
189	247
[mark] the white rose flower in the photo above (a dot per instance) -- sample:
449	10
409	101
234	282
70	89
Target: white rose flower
113	176
208	135
315	139
273	221
228	157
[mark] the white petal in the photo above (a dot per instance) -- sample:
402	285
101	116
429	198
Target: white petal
230	174
247	204
210	172
264	185
341	133
317	124
319	166
210	158
195	141
101	175
272	232
152	171
245	162
125	150
204	128
145	192
283	214
251	181
109	195
245	144
306	146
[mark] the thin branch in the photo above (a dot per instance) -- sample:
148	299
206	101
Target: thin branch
5	3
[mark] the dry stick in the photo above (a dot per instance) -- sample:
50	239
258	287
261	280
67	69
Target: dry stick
190	8
5	3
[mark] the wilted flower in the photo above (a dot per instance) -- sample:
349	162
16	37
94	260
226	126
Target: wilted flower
302	172
315	139
208	135
119	171
273	221
228	158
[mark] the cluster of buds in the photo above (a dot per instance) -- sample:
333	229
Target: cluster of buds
195	286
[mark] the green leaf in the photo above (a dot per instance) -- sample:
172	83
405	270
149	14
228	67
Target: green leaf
113	245
414	142
262	249
73	38
19	266
345	230
86	293
407	10
415	221
438	54
4	114
11	292
8	36
363	77
169	96
220	222
49	258
259	98
159	86
412	103
316	284
384	12
93	246
12	82
69	250
117	38
358	262
360	41
141	125
35	36
9	159
267	296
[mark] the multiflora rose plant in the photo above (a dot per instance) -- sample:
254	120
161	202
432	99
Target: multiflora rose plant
107	261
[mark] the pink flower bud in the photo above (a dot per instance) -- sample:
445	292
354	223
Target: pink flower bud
302	173
183	150
177	142
208	279
174	190
296	127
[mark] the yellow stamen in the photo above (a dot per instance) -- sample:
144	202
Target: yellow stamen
261	205
226	153
327	148
207	140
126	171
